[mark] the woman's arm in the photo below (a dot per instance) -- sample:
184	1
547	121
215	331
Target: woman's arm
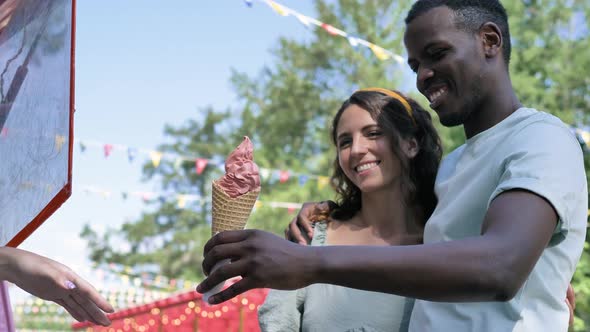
54	281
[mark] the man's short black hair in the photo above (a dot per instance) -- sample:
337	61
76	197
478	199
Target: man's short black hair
470	15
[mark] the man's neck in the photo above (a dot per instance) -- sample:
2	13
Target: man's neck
495	108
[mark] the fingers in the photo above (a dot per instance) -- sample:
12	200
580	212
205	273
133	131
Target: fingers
571	310
219	253
571	296
72	311
293	233
225	237
88	291
93	312
221	274
231	292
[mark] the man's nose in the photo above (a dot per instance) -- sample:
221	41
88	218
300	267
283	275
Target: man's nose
424	74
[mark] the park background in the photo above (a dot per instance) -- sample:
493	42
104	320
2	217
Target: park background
165	90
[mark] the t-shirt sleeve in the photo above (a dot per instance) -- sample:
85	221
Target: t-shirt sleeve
547	160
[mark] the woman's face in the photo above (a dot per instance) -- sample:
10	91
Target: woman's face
364	152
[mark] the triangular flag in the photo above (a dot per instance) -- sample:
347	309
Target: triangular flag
248	3
274	177
156	157
264	173
4	132
181	201
59	142
290	210
330	29
379	52
303	19
323	181
303	179
354	42
124	195
146	196
108	148
200	164
258	204
283	176
178	163
82	147
278	8
131	154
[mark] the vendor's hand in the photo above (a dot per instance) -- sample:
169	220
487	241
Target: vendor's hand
54	281
570	300
299	229
262	260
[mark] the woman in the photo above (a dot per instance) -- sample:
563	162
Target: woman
387	157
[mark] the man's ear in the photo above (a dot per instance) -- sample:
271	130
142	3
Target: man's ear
491	37
410	147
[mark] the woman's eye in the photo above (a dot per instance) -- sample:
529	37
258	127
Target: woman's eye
374	134
343	144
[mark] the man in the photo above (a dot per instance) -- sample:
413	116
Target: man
510	224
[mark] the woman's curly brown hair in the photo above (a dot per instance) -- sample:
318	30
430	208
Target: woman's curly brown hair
418	173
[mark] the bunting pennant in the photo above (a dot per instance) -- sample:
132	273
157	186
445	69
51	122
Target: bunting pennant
181	201
303	19
353	41
323	181
283	176
178	163
59	142
278	8
248	3
82	147
131	154
381	53
200	164
107	150
264	173
333	31
4	132
156	157
303	179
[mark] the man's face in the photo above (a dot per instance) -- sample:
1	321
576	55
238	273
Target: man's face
448	63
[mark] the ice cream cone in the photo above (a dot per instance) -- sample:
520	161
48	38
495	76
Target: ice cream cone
231	213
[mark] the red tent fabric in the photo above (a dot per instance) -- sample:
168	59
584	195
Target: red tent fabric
186	312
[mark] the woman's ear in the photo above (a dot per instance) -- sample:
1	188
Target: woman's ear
410	147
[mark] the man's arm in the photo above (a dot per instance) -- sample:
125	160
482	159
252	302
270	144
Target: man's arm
489	267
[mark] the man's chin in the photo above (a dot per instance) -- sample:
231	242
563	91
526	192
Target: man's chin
450	119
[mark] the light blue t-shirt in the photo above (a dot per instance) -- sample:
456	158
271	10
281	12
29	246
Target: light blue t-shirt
529	150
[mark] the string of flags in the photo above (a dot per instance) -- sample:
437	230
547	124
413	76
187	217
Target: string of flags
182	200
200	164
380	52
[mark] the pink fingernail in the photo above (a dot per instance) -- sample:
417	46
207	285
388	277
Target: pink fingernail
70	285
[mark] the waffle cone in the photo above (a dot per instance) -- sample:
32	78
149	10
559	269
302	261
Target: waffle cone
231	213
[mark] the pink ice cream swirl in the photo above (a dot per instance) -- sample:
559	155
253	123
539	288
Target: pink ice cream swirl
241	173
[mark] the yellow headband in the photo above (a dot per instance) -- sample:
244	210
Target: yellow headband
393	95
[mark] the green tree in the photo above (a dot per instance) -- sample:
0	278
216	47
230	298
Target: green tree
286	109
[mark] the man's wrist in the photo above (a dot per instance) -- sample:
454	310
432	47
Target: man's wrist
314	264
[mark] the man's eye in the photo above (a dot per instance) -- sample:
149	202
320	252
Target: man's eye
439	53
